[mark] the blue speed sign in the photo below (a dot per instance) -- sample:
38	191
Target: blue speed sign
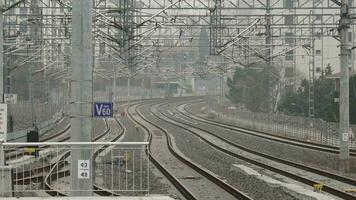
103	109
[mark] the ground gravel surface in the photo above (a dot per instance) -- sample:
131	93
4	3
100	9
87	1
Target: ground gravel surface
155	182
219	163
318	159
99	126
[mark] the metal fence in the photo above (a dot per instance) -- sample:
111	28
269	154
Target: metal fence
25	114
300	128
42	169
45	117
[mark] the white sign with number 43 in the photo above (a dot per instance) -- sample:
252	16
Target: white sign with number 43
83	169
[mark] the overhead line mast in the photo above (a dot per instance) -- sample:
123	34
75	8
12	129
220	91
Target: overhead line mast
81	96
345	54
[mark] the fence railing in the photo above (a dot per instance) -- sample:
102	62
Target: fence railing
43	127
38	168
301	128
25	114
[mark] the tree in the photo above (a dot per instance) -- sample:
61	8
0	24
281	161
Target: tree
249	87
296	102
324	94
353	99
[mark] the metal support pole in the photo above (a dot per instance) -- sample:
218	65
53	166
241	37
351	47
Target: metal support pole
35	40
128	90
345	51
221	87
1	52
127	20
2	152
311	74
2	139
81	95
67	85
7	90
115	93
48	86
311	77
215	27
268	54
151	84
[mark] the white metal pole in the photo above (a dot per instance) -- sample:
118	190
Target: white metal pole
151	84
345	51
268	55
128	90
2	153
35	41
2	139
1	52
81	95
114	92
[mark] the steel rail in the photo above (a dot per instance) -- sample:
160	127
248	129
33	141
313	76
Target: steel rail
270	136
24	144
175	182
222	184
301	179
59	133
98	190
25	176
337	177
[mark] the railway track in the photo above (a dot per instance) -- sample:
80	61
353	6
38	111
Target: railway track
62	120
25	176
187	126
264	135
54	169
56	173
13	154
177	184
170	176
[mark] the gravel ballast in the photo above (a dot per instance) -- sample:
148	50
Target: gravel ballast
219	163
314	158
